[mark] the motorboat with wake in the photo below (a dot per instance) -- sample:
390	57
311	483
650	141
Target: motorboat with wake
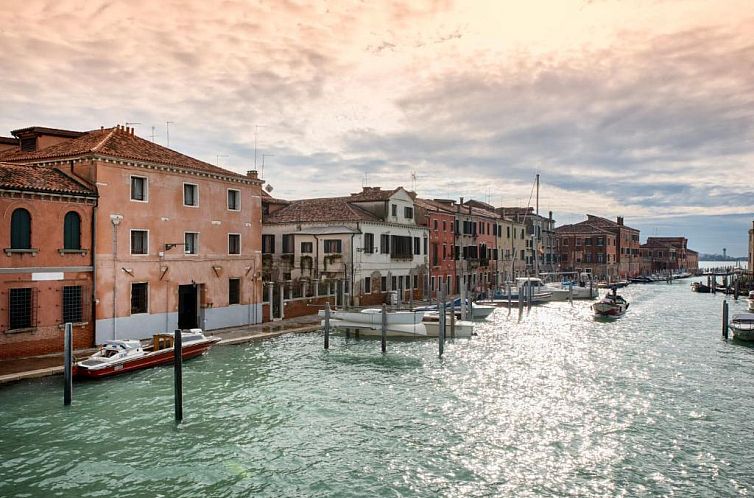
121	356
611	306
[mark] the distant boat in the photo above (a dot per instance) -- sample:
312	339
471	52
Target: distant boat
742	326
700	287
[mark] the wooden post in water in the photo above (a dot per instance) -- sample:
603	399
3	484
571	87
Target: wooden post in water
508	289
520	302
441	322
327	326
68	365
725	319
471	309
384	329
570	293
529	292
452	322
178	374
735	289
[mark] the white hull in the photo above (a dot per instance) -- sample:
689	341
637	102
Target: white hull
742	326
464	328
392	330
563	294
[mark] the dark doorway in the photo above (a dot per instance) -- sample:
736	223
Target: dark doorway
188	306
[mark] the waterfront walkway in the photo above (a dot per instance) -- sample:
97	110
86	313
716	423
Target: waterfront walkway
52	364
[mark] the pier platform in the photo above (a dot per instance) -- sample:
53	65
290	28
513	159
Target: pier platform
16	369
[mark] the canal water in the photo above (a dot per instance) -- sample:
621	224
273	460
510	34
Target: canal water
655	403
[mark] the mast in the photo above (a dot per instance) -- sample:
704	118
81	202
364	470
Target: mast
535	243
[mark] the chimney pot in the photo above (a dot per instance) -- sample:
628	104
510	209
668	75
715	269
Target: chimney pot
252	174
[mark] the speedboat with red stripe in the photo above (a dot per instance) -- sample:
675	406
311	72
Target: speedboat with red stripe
121	356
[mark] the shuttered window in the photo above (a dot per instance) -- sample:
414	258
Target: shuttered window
72	231
20	229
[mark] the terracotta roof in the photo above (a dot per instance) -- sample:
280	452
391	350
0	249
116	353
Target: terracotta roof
480	205
320	210
41	130
581	228
268	199
605	223
118	143
8	140
40	179
431	205
371	194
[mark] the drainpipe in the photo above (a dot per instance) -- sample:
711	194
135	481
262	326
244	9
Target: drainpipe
350	287
94	270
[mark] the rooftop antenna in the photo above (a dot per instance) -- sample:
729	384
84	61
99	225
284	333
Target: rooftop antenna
167	131
413	181
217	162
365	180
256	132
130	123
263	156
153	135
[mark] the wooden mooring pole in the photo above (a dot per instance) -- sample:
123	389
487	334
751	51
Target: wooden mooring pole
327	326
725	319
452	322
384	329
508	290
68	365
178	374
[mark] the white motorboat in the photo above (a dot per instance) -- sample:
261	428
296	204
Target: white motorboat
369	322
611	306
558	292
120	356
478	311
463	328
742	326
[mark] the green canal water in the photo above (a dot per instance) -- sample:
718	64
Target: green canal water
652	404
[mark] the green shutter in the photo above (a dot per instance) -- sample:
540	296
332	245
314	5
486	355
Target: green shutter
72	231
20	229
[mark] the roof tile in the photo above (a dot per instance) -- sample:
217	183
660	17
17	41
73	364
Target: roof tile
40	179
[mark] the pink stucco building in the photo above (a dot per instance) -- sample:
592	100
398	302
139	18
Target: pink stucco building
177	241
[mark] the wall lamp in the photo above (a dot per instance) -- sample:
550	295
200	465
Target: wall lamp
169	246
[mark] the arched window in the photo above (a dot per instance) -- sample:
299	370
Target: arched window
72	231
20	229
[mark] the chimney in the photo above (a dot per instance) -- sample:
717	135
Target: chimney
252	174
550	216
620	220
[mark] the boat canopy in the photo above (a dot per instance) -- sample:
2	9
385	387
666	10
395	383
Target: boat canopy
119	344
744	317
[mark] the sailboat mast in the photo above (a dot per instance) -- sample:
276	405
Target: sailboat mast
534	226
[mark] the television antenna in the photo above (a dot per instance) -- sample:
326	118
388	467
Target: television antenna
167	131
217	162
261	173
256	132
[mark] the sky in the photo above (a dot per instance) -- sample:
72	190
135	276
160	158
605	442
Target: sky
642	109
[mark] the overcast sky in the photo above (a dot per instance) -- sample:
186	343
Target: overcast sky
637	108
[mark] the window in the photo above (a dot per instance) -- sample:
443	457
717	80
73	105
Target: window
234	291
588	241
400	247
508	231
565	242
268	244
333	245
417	245
368	243
288	244
21	308
138	188
444	226
139	242
20	229
367	285
383	284
191	243
434	254
408	213
29	144
394	210
234	200
72	231
394	283
307	247
139	298
234	243
73	310
435	224
385	243
190	194
408	282
416	281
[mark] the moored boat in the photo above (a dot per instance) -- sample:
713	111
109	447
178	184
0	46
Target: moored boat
742	326
700	287
611	306
463	328
369	322
121	356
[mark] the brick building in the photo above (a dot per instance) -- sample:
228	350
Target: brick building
628	257
438	216
46	276
660	254
177	240
583	247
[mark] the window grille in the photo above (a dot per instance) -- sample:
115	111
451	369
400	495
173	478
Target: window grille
22	308
139	242
139	298
73	304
